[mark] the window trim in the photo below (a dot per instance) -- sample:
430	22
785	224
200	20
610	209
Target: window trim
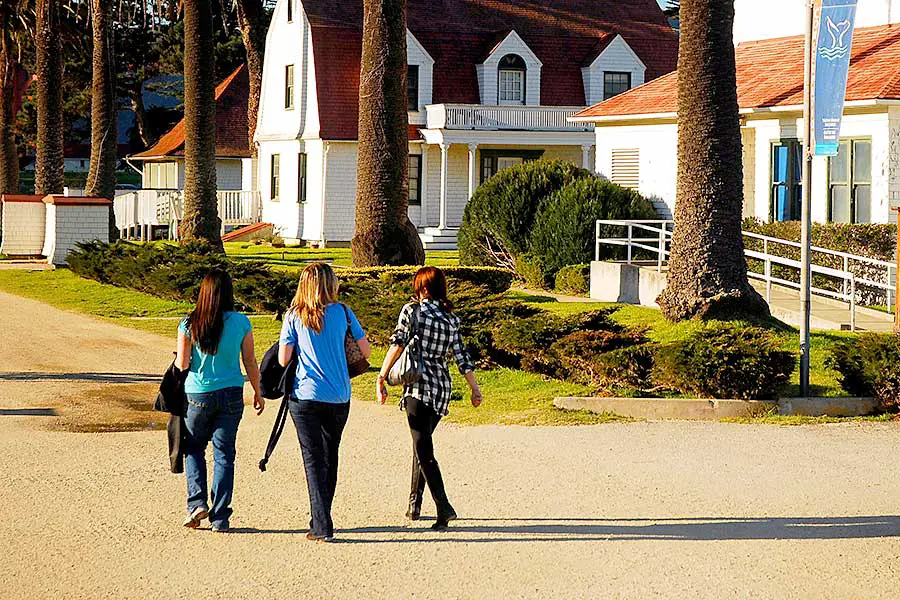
489	159
628	74
792	183
417	201
302	177
851	182
413	107
289	77
520	68
275	178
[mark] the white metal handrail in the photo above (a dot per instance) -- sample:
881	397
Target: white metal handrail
660	243
516	118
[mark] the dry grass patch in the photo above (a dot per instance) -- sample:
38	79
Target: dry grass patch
112	407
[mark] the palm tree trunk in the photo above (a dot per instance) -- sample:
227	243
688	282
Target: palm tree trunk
101	180
384	233
250	22
201	219
707	269
9	159
49	177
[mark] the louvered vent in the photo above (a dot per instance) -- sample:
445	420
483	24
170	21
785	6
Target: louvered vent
626	167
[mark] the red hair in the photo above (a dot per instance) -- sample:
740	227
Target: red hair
431	283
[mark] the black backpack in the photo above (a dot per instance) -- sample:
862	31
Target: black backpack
276	382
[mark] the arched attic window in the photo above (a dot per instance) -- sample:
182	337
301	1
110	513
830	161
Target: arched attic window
511	73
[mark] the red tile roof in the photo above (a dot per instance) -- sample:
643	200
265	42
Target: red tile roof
231	123
566	35
770	73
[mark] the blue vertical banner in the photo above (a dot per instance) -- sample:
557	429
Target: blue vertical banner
833	43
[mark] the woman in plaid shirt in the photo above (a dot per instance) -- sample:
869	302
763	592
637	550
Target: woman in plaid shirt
427	400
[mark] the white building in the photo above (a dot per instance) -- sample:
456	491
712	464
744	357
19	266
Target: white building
637	133
163	164
489	87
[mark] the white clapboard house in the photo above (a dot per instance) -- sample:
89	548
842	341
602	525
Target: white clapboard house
490	84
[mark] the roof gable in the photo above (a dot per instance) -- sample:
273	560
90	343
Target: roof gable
770	74
615	42
231	123
458	34
512	43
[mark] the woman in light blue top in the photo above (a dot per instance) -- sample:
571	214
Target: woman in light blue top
316	326
212	342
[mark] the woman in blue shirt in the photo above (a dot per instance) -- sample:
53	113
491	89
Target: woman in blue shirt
212	342
316	326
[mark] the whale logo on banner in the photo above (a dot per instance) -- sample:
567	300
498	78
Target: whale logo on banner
834	40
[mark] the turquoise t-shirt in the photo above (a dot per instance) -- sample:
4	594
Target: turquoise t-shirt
211	372
321	358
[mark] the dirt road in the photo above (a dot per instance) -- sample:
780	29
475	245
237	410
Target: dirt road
643	510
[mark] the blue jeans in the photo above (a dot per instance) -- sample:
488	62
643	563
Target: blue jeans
319	428
212	416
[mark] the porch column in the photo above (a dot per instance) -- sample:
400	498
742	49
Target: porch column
472	169
445	147
586	157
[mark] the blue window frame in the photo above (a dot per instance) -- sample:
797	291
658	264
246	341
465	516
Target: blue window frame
787	163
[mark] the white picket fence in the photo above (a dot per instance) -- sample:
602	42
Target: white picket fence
138	212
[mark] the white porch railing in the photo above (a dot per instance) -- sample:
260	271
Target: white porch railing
655	238
494	118
138	212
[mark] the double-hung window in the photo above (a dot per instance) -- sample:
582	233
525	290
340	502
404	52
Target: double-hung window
289	87
787	162
850	182
412	88
511	80
415	179
301	177
494	161
614	83
275	177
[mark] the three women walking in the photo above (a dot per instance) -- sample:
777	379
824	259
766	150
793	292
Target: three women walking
315	335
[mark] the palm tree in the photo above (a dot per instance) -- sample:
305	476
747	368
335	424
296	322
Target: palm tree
384	233
9	72
101	180
201	218
707	269
251	22
49	175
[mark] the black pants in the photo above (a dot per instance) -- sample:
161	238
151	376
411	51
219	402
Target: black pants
319	428
422	421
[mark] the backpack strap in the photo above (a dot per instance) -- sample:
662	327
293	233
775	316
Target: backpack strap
280	419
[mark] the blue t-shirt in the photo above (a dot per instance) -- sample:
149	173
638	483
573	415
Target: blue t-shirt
321	358
211	372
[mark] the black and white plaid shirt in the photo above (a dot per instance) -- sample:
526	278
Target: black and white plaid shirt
439	337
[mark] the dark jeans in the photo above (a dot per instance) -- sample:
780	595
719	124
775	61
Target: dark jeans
212	416
422	421
319	428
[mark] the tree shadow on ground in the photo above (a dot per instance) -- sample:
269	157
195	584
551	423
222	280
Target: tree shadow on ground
99	377
586	529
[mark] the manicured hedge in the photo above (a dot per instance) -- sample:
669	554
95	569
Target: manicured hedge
498	220
868	367
574	279
872	240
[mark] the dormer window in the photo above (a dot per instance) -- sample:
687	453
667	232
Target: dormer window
511	80
412	88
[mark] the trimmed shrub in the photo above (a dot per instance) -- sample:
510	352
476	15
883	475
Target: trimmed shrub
565	228
872	240
868	367
530	271
574	279
579	354
725	361
497	222
630	367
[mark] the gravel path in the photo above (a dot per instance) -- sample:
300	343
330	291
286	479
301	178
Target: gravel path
644	510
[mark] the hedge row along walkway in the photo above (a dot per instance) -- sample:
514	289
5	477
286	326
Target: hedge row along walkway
662	510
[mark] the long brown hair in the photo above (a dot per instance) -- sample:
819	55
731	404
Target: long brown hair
207	321
431	283
317	288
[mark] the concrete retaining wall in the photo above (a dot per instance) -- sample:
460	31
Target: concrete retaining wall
626	283
23	225
690	409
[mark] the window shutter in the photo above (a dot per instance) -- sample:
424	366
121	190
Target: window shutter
626	167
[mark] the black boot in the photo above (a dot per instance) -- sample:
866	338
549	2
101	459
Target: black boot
416	489
445	512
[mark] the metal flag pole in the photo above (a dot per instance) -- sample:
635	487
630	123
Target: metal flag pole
806	216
